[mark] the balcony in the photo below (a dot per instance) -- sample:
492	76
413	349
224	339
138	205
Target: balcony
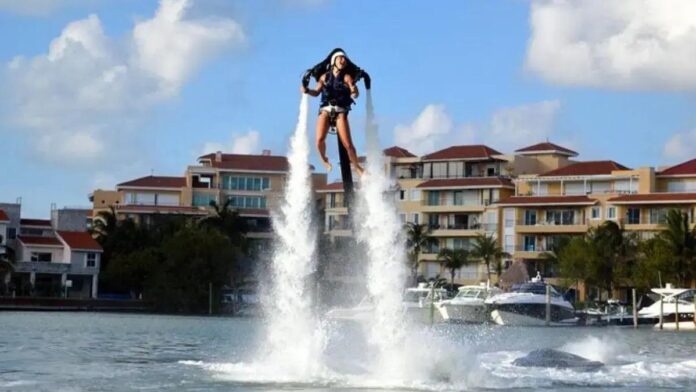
462	230
570	225
42	267
528	251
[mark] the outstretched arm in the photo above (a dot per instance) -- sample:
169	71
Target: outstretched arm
348	80
316	91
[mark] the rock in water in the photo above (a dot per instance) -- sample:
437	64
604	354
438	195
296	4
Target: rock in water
550	358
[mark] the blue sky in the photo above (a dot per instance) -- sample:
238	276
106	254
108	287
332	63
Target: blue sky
98	92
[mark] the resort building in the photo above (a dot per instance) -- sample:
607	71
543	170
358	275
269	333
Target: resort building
51	258
253	185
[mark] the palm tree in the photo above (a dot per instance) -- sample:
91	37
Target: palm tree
487	249
453	259
617	249
682	240
227	220
417	238
6	264
104	225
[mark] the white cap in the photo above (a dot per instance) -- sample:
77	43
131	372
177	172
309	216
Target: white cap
333	56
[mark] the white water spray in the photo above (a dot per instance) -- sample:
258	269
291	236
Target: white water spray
295	339
380	229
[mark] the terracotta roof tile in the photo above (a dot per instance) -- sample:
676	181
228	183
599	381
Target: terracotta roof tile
547	147
589	168
37	240
35	222
249	162
4	217
478	182
463	152
79	240
684	168
156	182
655	198
550	200
398	152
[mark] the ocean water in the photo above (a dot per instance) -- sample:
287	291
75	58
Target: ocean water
123	352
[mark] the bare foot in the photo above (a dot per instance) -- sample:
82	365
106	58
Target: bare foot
327	164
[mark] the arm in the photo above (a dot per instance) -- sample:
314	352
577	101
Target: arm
316	91
348	80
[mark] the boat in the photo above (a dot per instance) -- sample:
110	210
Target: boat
612	313
468	306
526	305
672	298
420	303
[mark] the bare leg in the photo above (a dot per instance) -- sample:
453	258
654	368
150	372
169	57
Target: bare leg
344	133
322	130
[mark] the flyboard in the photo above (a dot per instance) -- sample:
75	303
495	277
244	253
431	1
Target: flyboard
357	74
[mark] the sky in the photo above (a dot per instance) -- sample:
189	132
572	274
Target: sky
98	92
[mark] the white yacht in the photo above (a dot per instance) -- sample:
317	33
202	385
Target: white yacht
670	297
468	306
420	303
525	305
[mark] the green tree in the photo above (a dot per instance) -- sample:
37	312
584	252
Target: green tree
417	239
682	241
655	259
617	252
133	272
194	257
453	259
487	249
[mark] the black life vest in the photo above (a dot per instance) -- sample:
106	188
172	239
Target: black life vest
335	91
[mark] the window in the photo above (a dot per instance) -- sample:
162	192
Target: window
596	213
458	198
658	216
332	200
91	260
560	217
529	243
11	233
633	216
440	170
415	218
433	221
456	169
490	171
41	257
239	201
402	195
202	199
246	183
530	217
433	198
611	212
402	218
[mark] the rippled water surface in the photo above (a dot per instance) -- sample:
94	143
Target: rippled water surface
116	352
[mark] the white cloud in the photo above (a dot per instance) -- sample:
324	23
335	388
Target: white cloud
246	143
426	131
506	130
681	146
171	48
80	102
639	44
518	126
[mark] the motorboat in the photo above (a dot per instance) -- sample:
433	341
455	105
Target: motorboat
673	300
526	305
420	303
611	313
468	306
